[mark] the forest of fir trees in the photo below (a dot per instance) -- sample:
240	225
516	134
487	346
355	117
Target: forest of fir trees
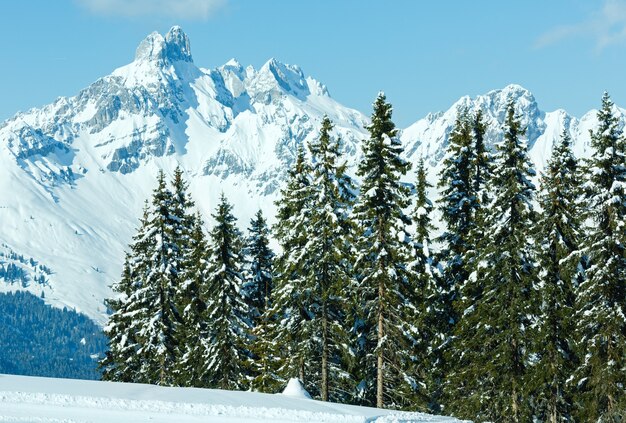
514	312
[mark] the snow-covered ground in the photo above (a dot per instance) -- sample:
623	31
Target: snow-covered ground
35	399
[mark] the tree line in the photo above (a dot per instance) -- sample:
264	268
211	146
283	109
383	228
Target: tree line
515	313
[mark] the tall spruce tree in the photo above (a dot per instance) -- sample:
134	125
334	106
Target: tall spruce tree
259	267
147	317
284	338
193	295
601	308
159	323
328	272
491	338
227	355
558	236
459	182
121	362
383	275
430	302
187	298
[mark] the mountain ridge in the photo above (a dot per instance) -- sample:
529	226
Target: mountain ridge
75	173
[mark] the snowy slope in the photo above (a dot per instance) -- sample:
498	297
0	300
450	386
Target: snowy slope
30	399
74	174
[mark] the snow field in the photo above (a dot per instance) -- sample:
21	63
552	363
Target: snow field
34	399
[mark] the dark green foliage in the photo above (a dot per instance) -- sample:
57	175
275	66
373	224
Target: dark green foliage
285	335
145	327
458	202
39	340
259	267
491	342
558	235
430	303
601	377
225	362
384	279
327	270
195	328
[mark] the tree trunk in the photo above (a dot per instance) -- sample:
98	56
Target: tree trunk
381	334
324	387
301	370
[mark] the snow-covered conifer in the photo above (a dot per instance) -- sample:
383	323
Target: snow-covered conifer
384	252
226	362
558	236
601	305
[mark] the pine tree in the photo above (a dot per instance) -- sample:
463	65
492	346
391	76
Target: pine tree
195	333
144	326
328	273
430	303
121	363
285	337
385	251
259	267
601	308
187	293
158	320
491	337
226	363
458	203
558	235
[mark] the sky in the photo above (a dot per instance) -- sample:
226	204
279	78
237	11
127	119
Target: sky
423	54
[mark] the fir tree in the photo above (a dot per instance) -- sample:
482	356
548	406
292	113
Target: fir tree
601	308
558	236
328	273
491	337
158	320
184	227
430	302
259	267
385	251
285	337
458	202
226	362
121	363
145	324
195	333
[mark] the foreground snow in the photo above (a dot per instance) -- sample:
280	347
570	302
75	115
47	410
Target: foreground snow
33	399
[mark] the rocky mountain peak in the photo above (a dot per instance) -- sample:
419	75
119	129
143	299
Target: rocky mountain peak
173	47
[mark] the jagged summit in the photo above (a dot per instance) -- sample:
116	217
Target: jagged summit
173	47
178	47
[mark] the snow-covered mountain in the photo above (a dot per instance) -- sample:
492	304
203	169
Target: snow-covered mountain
75	174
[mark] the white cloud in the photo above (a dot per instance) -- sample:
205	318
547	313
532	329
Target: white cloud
605	27
179	9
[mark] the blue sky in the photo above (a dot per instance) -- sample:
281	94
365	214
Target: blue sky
423	54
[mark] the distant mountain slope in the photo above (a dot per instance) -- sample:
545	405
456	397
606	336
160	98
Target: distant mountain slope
36	339
74	174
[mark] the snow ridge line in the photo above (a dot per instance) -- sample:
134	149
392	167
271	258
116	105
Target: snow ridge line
195	409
